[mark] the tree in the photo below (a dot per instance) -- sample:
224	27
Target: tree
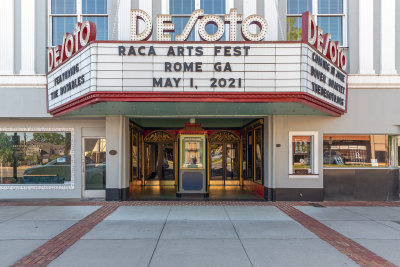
6	148
293	32
52	138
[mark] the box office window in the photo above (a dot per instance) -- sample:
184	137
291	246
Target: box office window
303	158
192	149
64	14
329	14
35	158
356	151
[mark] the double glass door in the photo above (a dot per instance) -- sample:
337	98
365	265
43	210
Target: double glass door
159	162
224	163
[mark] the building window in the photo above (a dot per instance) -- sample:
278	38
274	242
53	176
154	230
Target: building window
253	152
330	15
35	158
65	13
303	153
356	151
183	9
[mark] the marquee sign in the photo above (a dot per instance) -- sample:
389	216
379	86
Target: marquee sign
310	71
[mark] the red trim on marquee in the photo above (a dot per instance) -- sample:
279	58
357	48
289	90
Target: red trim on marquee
228	97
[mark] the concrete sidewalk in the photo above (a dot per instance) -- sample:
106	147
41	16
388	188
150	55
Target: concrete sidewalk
181	235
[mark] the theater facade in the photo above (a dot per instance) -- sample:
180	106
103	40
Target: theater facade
218	100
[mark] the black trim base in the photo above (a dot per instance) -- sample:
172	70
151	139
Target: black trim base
117	194
361	184
293	194
269	194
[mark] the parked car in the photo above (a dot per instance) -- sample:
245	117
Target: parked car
56	171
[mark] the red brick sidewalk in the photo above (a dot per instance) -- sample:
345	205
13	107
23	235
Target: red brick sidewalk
49	251
53	248
348	247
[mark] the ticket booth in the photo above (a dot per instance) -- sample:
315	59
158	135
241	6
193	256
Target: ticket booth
193	164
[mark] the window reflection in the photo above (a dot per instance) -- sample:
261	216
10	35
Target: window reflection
302	156
355	150
258	139
35	158
192	153
95	164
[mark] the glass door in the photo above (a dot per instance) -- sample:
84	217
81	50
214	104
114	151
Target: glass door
224	164
94	158
159	162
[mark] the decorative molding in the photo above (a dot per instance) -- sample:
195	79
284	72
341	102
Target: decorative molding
159	137
224	137
49	186
251	97
7	35
28	36
388	37
124	19
365	36
365	81
35	81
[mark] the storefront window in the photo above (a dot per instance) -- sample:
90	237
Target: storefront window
250	155
135	157
302	154
258	157
35	158
244	149
356	151
95	164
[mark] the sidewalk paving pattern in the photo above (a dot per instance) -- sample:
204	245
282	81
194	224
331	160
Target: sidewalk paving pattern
192	234
23	228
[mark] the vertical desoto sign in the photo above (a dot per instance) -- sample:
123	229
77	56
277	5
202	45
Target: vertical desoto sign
313	35
83	34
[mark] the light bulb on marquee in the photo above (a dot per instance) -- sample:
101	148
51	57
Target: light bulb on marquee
211	19
164	24
260	22
233	19
198	13
137	14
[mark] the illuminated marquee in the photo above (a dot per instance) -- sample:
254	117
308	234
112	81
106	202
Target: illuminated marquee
311	70
165	26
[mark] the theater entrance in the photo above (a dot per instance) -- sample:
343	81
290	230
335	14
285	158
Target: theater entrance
224	157
158	163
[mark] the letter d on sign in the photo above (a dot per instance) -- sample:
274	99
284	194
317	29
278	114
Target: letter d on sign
137	14
309	33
